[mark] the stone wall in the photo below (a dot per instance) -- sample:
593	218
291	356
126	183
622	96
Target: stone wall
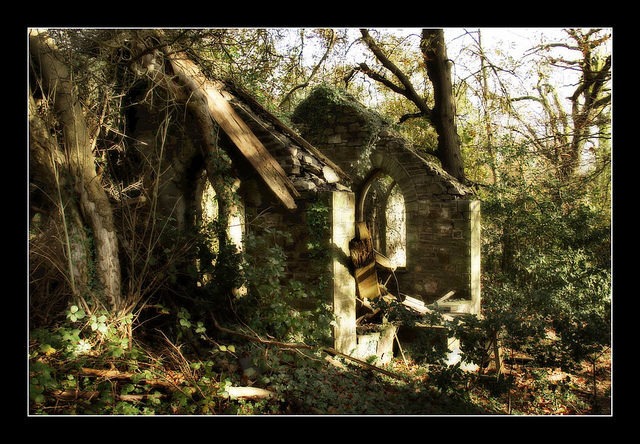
318	255
442	219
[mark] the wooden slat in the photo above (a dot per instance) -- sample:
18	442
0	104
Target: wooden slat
285	129
364	260
367	281
238	131
445	297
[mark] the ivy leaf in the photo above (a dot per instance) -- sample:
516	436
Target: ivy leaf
47	349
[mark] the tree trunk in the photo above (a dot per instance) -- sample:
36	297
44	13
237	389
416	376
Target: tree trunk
45	163
443	113
442	116
94	203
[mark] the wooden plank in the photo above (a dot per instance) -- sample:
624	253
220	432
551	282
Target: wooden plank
415	304
249	393
384	262
238	131
285	129
445	297
367	281
363	258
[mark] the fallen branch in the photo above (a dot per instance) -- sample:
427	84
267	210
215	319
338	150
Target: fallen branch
72	395
308	347
259	339
249	393
116	374
364	364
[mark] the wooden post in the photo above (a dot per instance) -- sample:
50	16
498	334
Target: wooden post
363	258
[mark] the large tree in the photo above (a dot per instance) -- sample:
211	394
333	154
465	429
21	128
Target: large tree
566	130
442	113
74	155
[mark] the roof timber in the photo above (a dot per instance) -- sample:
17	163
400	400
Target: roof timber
238	131
233	91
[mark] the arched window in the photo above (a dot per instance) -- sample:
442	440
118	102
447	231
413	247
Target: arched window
396	228
209	210
382	207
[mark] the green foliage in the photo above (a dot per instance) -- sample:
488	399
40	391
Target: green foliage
335	102
547	273
546	258
220	262
56	354
317	221
276	307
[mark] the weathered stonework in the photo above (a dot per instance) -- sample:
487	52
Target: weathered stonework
343	149
442	217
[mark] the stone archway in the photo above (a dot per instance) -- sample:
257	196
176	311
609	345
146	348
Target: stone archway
439	226
442	216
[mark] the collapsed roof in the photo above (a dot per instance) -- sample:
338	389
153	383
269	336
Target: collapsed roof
305	166
251	129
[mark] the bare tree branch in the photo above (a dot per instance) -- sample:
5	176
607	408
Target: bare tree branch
408	90
287	97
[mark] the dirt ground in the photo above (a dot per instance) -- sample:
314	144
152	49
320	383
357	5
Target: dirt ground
551	391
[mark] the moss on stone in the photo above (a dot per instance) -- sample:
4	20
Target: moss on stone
327	106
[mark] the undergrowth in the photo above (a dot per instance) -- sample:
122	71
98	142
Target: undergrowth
82	367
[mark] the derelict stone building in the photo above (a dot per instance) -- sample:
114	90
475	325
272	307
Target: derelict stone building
348	160
442	219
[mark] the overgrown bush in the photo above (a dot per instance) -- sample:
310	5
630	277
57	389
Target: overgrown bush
272	304
547	276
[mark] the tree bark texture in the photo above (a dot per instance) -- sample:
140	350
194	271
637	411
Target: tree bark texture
45	162
94	204
443	113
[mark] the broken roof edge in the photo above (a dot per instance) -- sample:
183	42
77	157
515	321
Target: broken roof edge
207	96
378	126
235	90
433	167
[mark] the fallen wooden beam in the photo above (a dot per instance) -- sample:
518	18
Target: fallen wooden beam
363	258
249	393
72	395
384	262
420	307
415	304
446	296
284	128
233	125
